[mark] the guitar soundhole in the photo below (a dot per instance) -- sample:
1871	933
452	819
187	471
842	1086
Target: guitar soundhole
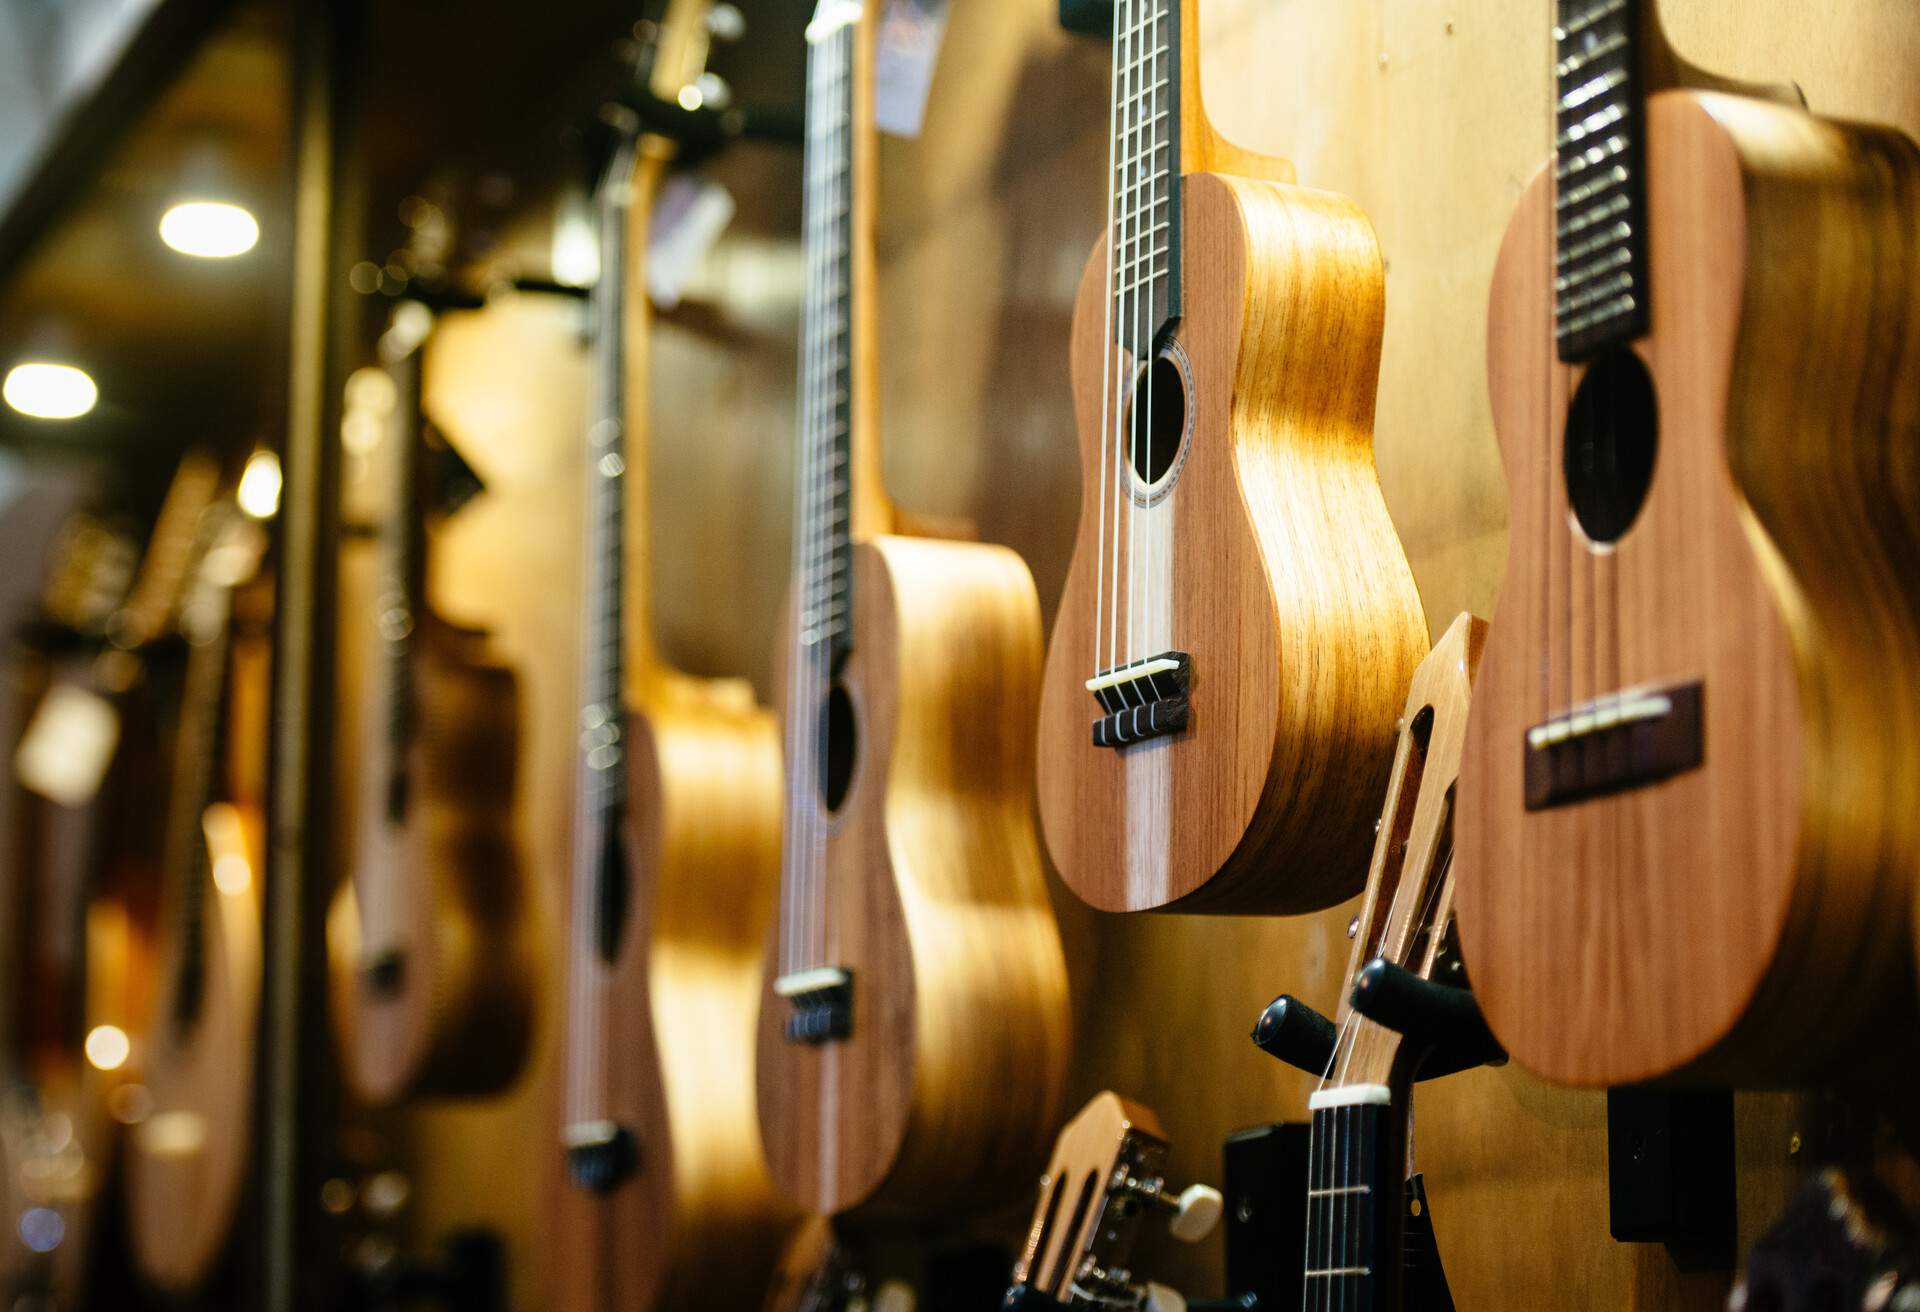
1612	437
1157	419
836	747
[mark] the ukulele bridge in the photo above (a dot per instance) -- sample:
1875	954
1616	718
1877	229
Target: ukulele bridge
1616	742
1142	700
822	1004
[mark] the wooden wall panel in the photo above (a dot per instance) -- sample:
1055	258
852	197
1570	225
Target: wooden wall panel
1430	113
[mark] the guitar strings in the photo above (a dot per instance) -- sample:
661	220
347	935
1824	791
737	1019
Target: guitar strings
1106	354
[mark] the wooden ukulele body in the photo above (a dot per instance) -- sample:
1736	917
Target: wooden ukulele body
456	1017
1275	566
1715	923
187	1162
948	1086
697	1224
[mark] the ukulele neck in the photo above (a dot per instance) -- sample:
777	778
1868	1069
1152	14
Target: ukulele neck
611	461
1355	1179
1145	162
1601	55
397	609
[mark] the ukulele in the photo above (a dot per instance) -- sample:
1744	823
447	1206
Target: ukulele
1687	829
78	951
914	1036
1107	1172
1239	620
187	1160
1358	1145
675	855
432	972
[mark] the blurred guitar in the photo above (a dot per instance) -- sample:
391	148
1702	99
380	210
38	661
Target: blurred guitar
435	988
675	854
188	1158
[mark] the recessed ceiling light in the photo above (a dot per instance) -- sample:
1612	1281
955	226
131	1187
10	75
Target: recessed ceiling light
209	229
49	391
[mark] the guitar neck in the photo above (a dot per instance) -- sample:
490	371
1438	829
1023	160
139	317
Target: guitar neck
196	773
398	611
1145	160
1600	207
610	465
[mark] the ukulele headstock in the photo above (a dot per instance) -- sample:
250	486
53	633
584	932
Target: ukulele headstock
1842	1244
1108	1170
1406	916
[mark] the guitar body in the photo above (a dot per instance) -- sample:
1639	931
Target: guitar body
948	1084
1713	922
455	1018
188	1161
1271	561
697	1224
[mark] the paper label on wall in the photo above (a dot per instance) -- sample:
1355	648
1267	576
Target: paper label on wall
689	215
64	754
906	48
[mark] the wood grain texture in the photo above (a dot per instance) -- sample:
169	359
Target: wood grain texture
459	1023
1739	921
698	1222
1271	561
943	1097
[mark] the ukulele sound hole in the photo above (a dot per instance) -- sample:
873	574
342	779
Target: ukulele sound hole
1612	436
1157	418
836	747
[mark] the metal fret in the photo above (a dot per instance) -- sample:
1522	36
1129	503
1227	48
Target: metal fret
1600	257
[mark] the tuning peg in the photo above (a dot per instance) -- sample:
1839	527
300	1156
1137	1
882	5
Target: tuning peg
1445	1019
1295	1033
726	23
1159	1298
1196	1212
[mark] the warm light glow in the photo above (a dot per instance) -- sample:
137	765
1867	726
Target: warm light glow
49	391
259	490
108	1047
692	97
209	229
576	246
232	874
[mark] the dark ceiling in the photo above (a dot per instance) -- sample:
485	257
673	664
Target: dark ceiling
486	107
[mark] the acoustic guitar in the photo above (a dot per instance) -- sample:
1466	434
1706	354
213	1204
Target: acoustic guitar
1358	1145
187	1160
914	1036
675	855
1687	826
432	971
1239	620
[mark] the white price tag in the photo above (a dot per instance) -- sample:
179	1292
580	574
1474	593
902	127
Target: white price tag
907	47
689	215
63	755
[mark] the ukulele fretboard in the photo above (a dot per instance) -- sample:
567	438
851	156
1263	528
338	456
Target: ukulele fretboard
1600	247
1145	232
823	540
1351	1176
